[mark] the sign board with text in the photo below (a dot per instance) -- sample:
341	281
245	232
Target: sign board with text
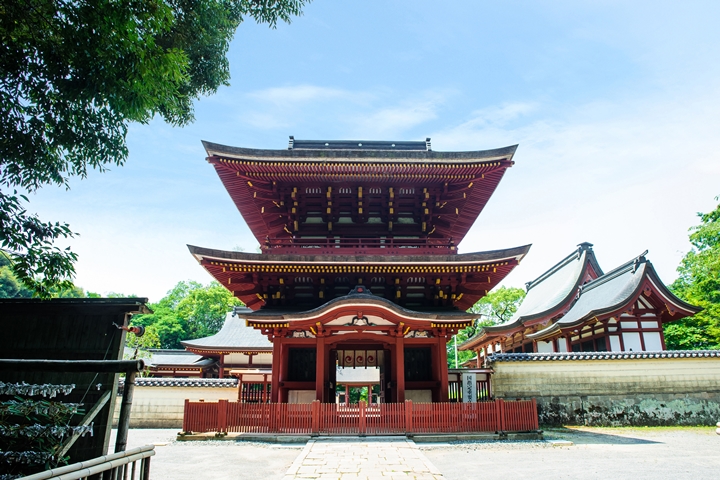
469	385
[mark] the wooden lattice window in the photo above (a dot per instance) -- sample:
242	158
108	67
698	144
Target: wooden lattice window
301	365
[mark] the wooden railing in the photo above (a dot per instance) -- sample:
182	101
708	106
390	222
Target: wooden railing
361	245
133	464
360	419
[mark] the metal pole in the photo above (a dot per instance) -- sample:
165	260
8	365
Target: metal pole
456	359
124	420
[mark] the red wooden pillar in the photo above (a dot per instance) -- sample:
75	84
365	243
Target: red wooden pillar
264	392
276	367
320	369
400	367
222	366
442	367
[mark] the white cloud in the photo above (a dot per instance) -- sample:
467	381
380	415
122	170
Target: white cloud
392	122
300	94
625	176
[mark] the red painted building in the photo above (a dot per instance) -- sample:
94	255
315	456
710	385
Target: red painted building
359	264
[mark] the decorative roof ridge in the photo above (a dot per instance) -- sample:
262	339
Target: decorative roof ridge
582	247
294	144
183	382
534	357
631	265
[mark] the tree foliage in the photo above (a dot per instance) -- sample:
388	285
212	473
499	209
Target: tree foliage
188	311
12	287
496	307
74	74
698	283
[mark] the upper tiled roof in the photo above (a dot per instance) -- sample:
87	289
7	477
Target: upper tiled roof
544	357
234	335
344	150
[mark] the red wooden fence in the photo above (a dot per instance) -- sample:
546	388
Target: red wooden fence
360	419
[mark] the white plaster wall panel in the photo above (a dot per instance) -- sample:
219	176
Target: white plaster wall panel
262	359
615	343
653	343
544	347
631	341
236	359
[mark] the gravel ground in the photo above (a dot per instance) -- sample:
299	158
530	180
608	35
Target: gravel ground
219	460
612	453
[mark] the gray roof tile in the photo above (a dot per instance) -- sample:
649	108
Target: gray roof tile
234	335
548	357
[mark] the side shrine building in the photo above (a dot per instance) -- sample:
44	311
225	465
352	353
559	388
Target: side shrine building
576	307
359	264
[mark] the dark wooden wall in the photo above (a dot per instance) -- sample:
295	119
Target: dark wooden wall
69	329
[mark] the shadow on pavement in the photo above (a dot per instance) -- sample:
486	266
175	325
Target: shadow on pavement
583	437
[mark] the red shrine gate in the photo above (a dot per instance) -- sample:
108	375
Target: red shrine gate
359	255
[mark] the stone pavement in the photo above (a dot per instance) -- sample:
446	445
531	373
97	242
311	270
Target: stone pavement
377	458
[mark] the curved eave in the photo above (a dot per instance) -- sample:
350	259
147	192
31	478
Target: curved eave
349	305
324	155
224	266
515	253
221	349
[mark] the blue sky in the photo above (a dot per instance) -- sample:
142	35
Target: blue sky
614	106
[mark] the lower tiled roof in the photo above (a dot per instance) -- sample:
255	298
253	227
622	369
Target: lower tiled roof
537	357
184	382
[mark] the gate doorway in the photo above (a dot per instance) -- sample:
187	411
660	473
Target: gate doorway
355	385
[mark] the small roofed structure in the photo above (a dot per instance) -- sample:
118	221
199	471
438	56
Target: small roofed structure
235	347
575	307
178	364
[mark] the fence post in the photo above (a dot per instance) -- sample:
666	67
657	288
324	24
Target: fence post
363	419
408	417
186	415
536	419
222	415
501	410
315	426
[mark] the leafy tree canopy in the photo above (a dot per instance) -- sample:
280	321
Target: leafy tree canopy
698	283
496	307
74	73
188	311
11	287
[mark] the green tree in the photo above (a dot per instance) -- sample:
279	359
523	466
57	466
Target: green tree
189	310
11	287
698	283
496	307
204	309
74	74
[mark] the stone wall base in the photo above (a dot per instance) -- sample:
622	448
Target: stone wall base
630	410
